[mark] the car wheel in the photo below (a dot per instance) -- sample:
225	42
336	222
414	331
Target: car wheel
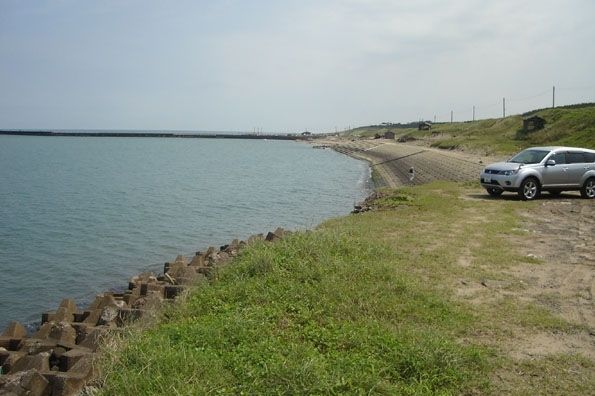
494	192
529	189
588	189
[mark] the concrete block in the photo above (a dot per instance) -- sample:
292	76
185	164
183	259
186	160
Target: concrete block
108	314
255	238
70	358
57	353
39	362
172	291
30	383
204	270
93	338
92	317
8	361
198	261
72	381
64	384
11	344
181	259
183	275
127	315
43	332
155	288
271	237
4	354
172	268
14	330
34	383
130	298
62	332
36	345
60	315
101	301
69	305
80	316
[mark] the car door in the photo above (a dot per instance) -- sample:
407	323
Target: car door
577	164
555	175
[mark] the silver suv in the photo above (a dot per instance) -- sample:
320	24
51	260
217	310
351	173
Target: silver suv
536	169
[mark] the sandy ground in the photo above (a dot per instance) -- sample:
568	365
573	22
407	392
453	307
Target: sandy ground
561	236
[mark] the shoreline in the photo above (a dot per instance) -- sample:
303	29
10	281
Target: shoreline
265	206
58	358
58	351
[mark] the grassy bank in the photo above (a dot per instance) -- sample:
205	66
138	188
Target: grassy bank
571	126
365	304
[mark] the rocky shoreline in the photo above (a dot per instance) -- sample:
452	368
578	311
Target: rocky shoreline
59	357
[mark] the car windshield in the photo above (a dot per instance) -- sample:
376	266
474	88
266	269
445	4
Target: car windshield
529	157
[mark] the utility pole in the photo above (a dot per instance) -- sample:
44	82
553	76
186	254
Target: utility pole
473	113
503	107
553	96
451	116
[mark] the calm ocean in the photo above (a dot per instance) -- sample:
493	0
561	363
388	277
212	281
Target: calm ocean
79	216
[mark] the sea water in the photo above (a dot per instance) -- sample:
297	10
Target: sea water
80	215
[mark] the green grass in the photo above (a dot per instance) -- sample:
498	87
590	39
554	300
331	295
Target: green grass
568	126
318	313
365	304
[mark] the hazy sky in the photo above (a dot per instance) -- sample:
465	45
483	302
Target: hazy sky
287	65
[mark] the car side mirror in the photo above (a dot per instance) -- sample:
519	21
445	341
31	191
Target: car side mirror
550	162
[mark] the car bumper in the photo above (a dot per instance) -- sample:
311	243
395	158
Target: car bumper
506	183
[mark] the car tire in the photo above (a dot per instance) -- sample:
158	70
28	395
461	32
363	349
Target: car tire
588	189
494	192
529	189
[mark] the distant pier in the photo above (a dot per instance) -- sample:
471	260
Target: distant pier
157	135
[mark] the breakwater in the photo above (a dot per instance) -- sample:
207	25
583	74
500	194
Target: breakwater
158	135
59	358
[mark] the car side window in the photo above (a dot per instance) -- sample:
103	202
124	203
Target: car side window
575	157
589	157
560	158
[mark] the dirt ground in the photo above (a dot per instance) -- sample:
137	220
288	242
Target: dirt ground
560	236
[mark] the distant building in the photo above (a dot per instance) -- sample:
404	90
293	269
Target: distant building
389	135
533	123
424	126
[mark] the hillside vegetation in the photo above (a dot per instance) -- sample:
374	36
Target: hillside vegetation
567	126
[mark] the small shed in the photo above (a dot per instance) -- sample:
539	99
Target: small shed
424	126
389	135
533	123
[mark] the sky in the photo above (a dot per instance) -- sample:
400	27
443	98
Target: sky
287	66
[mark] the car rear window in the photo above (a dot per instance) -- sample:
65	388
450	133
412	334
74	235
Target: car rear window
589	157
575	157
